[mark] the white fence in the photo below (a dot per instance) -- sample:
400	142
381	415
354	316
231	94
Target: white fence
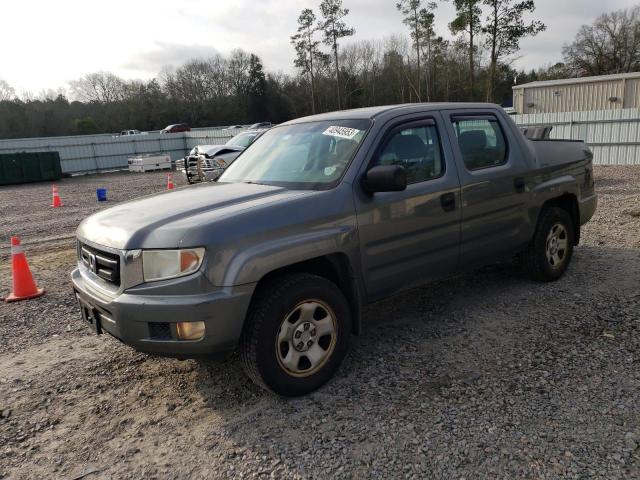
612	135
95	153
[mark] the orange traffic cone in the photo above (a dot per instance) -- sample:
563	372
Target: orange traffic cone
23	285
56	202
169	182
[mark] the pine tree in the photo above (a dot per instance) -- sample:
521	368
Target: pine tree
468	21
420	20
307	50
505	27
334	28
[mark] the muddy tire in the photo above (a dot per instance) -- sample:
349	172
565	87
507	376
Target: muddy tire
549	253
296	334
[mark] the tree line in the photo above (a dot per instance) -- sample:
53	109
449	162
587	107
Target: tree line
475	63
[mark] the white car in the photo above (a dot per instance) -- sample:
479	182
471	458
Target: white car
125	133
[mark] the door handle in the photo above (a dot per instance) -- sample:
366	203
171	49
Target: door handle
448	201
519	184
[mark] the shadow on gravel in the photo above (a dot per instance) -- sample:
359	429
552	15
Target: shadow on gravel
432	309
416	345
435	365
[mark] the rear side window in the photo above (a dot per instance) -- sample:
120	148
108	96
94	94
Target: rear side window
481	141
417	149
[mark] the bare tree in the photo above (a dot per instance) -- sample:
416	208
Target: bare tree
334	28
238	69
50	94
100	87
610	45
7	92
504	28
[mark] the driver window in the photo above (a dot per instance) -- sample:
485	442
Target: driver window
417	149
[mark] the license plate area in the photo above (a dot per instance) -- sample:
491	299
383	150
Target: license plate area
89	314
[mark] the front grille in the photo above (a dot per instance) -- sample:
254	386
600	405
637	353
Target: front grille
160	331
106	265
192	163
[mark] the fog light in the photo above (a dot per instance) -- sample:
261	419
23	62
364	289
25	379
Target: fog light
190	330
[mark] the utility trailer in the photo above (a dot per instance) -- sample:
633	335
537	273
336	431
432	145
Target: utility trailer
147	163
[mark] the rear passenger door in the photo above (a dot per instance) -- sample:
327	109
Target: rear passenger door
493	189
410	236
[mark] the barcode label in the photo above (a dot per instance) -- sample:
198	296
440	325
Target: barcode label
342	132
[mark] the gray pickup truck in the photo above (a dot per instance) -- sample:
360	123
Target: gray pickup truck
320	216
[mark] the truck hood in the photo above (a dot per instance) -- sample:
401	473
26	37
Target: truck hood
218	149
162	220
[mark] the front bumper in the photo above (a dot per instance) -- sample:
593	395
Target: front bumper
207	172
136	315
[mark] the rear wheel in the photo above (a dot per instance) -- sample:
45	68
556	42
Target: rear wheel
550	251
296	335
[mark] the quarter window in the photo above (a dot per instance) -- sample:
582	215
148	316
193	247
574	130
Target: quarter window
417	149
481	141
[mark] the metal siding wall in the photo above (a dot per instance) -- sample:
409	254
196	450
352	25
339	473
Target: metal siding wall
612	135
632	93
209	136
576	97
91	153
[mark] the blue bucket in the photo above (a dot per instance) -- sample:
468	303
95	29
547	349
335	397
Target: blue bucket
101	193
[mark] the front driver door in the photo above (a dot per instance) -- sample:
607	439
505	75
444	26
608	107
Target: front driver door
411	236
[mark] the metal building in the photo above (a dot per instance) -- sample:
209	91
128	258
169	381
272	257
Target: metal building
606	92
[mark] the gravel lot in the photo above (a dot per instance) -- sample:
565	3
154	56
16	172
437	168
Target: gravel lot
483	376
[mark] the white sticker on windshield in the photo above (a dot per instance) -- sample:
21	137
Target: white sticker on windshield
329	170
342	132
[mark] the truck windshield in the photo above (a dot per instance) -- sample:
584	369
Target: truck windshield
243	139
309	155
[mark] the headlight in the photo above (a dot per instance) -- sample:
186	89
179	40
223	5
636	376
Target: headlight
163	264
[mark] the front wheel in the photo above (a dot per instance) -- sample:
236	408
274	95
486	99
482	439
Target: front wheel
297	334
550	251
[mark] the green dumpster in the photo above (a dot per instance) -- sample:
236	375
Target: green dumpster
29	167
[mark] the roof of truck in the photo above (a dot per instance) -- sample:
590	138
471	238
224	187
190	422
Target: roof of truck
393	110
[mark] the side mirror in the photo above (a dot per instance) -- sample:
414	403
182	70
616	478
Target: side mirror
385	178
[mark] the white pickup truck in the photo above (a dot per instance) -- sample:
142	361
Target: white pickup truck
125	133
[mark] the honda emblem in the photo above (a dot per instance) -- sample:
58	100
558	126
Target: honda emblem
92	262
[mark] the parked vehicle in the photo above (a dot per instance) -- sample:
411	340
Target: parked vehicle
124	133
260	125
149	162
176	128
207	162
234	127
320	216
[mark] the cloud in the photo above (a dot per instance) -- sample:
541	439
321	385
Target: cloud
152	61
136	40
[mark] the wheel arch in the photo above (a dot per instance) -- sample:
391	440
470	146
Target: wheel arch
568	202
335	267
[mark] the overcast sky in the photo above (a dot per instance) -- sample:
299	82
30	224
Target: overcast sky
47	43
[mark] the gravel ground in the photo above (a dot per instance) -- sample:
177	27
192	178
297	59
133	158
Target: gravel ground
486	375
